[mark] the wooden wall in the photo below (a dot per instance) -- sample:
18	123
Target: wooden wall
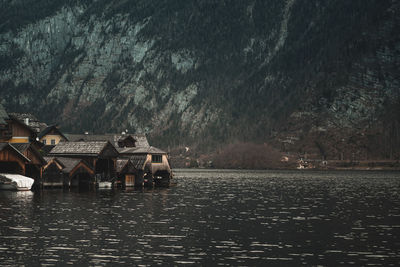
7	155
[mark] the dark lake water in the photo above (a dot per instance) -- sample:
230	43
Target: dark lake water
247	218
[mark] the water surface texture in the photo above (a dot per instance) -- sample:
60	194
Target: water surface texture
256	218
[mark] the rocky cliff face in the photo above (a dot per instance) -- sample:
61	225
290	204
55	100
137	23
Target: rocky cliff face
310	76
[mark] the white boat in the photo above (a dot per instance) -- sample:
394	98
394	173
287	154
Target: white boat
105	184
15	182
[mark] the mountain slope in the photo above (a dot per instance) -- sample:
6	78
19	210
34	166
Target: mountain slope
310	77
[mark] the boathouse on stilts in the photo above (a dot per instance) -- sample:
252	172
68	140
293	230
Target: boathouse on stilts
33	168
67	172
11	160
131	172
152	161
100	156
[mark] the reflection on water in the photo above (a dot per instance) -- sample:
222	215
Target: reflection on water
211	218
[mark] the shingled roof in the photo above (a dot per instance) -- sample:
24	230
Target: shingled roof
138	161
141	139
69	163
33	122
141	150
93	148
5	145
23	147
16	120
120	164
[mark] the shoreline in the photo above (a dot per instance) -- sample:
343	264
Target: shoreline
292	169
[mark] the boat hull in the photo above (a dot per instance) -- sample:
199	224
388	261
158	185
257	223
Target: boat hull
104	185
15	182
8	186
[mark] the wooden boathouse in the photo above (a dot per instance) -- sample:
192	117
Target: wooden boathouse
131	171
33	168
67	172
153	162
11	160
101	155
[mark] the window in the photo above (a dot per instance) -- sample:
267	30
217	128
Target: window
44	141
156	158
53	142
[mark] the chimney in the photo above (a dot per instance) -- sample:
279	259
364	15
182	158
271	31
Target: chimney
26	121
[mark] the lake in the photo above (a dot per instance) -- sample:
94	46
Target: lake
211	217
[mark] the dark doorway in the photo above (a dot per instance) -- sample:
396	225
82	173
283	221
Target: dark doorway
10	167
105	169
162	178
82	181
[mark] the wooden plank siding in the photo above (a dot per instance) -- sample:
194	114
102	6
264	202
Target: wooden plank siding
81	167
8	155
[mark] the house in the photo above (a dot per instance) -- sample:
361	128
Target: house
102	155
152	161
20	132
68	172
15	127
30	120
51	135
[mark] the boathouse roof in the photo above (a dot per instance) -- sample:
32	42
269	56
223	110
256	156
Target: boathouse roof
4	146
69	163
22	147
140	139
33	154
138	161
141	150
53	159
92	148
120	164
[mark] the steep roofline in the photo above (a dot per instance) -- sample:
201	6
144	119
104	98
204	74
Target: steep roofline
48	129
15	119
16	150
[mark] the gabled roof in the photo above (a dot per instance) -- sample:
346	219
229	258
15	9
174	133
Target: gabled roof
69	163
120	164
141	139
34	123
8	145
93	148
15	119
138	161
23	147
3	115
141	150
52	159
48	129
